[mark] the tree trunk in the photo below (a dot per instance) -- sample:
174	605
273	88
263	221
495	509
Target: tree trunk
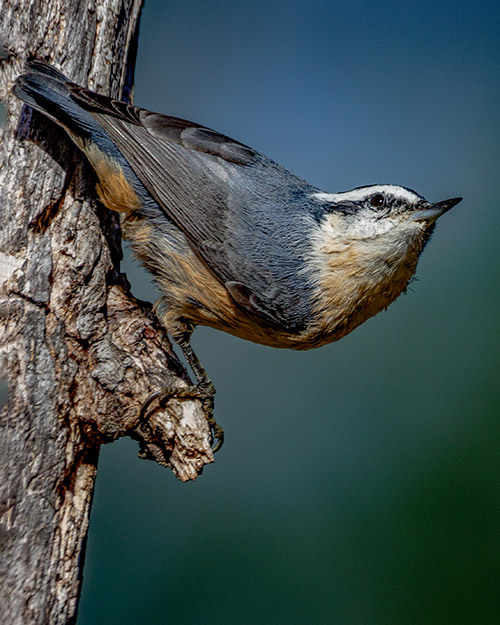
81	355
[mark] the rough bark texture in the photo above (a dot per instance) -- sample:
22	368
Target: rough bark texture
81	355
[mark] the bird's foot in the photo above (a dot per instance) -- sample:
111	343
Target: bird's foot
203	391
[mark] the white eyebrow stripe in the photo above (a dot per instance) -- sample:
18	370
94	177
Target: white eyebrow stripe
364	192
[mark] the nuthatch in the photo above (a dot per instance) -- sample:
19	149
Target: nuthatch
234	240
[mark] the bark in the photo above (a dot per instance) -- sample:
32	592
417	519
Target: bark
80	353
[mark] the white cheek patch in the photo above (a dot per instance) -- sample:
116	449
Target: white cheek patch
355	227
365	228
361	243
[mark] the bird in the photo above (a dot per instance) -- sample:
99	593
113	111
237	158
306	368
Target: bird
234	240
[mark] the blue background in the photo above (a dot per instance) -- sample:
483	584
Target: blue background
359	483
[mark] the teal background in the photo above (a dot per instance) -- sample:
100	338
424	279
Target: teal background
3	392
359	483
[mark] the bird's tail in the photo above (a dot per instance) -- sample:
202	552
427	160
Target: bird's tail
48	91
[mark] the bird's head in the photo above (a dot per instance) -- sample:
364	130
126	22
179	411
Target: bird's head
377	210
365	250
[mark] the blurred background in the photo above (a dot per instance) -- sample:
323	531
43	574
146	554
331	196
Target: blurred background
359	483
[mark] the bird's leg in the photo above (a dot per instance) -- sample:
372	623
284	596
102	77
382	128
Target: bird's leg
197	368
204	390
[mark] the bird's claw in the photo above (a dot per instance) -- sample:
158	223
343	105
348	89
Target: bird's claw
204	391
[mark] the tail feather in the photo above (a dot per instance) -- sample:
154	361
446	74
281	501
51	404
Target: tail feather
49	91
38	66
51	96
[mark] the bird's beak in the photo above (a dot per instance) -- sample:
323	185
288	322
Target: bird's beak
435	210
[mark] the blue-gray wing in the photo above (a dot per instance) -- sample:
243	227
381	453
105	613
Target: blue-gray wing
246	216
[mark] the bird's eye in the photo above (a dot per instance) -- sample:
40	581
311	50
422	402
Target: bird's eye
376	201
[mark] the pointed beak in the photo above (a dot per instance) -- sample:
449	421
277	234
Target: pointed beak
435	210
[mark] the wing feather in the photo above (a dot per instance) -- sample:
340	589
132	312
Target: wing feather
243	213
